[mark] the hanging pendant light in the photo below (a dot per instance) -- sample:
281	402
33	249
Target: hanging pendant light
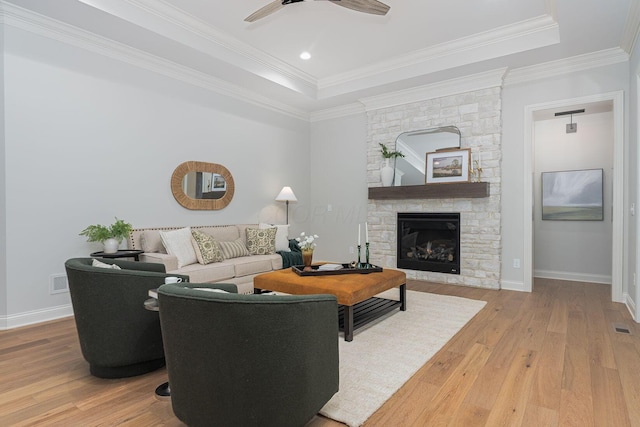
571	127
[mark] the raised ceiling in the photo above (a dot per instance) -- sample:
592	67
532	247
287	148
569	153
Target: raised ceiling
354	55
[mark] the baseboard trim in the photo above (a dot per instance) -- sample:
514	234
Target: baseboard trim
574	277
631	306
512	285
36	316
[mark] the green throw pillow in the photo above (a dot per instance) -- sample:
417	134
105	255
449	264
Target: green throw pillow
261	241
206	247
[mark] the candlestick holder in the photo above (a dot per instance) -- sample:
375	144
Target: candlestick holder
367	264
476	173
359	264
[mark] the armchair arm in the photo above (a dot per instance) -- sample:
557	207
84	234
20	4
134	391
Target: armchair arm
229	287
135	265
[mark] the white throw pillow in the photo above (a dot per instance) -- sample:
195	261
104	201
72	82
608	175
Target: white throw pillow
178	244
101	264
282	236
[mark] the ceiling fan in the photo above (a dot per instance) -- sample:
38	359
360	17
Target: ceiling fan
367	6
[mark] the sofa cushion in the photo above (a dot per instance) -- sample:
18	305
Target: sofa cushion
261	241
214	272
169	261
246	266
234	249
206	247
100	264
222	291
178	244
282	236
152	242
225	233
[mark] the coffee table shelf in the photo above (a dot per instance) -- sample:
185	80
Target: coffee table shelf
367	311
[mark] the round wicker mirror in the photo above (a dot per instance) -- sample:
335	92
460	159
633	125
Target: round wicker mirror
202	186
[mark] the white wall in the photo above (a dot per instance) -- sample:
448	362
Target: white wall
574	250
338	178
605	79
89	138
633	253
3	186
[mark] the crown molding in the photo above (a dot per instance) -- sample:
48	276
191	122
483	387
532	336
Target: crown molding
455	86
337	112
631	28
191	31
35	23
532	33
573	64
551	7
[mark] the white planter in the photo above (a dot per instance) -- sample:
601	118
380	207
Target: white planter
386	174
111	246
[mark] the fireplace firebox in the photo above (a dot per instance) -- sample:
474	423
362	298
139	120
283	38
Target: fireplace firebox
429	242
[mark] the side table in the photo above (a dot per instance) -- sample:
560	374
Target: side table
151	304
126	253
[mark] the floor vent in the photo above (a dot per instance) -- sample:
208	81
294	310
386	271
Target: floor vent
621	329
58	284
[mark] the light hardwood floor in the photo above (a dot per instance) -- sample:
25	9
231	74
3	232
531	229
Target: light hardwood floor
549	358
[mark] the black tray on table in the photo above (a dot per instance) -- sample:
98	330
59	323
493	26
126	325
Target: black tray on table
346	269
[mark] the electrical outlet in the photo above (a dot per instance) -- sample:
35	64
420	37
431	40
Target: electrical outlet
329	208
516	263
351	250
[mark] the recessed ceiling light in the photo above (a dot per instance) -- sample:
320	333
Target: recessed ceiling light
305	55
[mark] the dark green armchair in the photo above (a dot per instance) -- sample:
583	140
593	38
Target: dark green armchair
248	360
118	337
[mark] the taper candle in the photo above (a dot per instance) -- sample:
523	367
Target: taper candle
358	234
366	232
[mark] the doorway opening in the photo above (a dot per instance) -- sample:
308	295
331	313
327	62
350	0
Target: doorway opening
563	153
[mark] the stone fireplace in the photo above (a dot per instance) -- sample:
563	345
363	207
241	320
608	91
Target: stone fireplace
477	114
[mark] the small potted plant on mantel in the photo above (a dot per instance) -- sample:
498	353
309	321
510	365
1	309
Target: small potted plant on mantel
387	172
110	236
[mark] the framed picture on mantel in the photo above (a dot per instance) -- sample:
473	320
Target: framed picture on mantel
447	166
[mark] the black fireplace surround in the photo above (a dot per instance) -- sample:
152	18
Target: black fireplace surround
429	242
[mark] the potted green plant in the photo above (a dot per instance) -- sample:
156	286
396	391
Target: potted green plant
109	236
387	172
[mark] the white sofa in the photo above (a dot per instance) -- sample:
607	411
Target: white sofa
239	271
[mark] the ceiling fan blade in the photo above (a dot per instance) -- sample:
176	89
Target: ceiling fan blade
367	6
265	11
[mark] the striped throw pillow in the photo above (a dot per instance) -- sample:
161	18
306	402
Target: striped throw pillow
234	249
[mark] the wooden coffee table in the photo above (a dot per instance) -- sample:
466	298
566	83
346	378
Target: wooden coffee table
355	292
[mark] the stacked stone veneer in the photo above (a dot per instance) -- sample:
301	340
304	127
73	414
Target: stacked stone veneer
478	116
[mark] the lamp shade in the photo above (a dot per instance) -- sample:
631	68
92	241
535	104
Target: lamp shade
286	195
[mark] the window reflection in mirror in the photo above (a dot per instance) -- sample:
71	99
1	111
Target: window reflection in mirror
415	145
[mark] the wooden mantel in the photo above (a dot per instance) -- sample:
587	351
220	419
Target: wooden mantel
454	190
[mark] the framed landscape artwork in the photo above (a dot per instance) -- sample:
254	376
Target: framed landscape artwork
219	184
573	195
448	166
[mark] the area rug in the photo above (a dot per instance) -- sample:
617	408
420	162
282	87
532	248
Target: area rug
385	354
